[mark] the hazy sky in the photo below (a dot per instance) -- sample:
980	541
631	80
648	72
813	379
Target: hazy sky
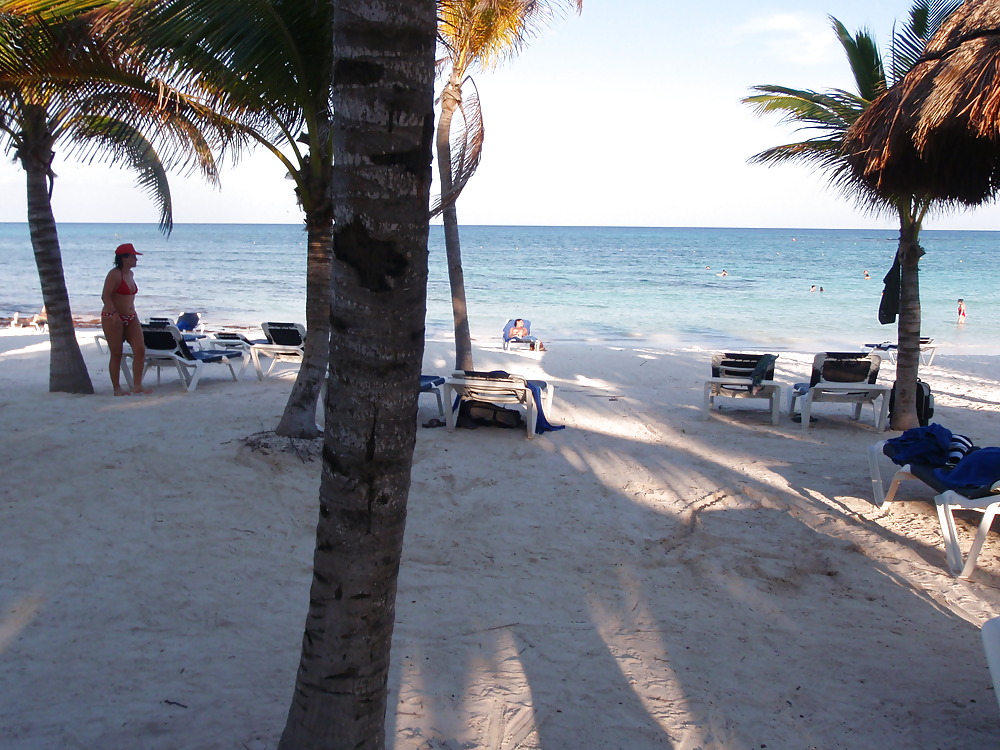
627	115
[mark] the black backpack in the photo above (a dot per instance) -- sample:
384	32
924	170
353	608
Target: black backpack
925	402
473	414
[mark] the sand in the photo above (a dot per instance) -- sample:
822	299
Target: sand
641	579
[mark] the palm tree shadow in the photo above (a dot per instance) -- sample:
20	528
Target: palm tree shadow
683	605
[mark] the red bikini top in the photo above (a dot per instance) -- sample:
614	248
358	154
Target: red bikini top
123	287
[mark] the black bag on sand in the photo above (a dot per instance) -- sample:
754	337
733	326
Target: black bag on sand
473	414
925	402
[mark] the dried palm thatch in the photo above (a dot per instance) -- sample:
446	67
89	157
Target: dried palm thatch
936	133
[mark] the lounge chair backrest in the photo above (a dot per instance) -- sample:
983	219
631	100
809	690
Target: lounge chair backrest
159	322
230	336
510	324
491	375
845	367
158	338
165	339
738	366
284	334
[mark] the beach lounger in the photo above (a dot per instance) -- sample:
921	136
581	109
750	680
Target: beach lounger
743	376
891	350
222	340
285	343
186	322
432	384
991	645
165	347
843	377
984	497
508	340
499	387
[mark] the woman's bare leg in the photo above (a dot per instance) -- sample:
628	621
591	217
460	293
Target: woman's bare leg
133	332
115	336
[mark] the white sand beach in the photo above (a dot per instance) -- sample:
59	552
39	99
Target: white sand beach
641	579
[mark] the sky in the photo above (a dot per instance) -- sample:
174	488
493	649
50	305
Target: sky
628	114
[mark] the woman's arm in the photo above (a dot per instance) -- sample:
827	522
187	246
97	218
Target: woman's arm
107	292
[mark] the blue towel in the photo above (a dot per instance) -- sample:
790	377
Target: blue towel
921	445
980	468
541	424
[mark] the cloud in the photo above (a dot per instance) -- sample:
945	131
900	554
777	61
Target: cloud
796	38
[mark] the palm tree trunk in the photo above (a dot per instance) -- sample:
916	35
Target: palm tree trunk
451	97
383	105
299	417
904	413
67	369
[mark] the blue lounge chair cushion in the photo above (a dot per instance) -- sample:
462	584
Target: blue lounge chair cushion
429	382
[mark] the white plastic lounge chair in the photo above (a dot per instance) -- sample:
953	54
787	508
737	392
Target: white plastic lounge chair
734	375
432	384
285	343
843	377
508	340
991	645
496	388
223	340
891	350
165	347
985	499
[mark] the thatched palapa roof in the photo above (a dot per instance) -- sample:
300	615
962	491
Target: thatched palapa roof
936	133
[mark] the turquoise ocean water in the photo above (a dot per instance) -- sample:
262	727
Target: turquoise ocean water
573	283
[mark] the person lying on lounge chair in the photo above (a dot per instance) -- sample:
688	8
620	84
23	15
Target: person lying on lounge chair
520	334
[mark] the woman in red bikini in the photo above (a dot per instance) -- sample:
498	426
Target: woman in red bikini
119	321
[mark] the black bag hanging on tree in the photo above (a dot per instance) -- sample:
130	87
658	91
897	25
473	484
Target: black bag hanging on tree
888	308
925	402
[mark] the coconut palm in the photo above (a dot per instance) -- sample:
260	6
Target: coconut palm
64	81
267	65
383	52
829	114
475	34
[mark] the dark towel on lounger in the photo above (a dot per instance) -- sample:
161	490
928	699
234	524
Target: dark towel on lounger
980	468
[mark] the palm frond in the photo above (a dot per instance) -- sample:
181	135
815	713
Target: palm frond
483	33
119	142
864	59
910	42
467	136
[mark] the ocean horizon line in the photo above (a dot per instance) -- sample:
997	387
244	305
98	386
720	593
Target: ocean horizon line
527	226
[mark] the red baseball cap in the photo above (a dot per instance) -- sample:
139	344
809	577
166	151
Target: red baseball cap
126	249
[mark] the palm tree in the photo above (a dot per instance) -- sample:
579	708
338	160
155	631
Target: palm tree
474	34
830	114
267	65
63	80
383	54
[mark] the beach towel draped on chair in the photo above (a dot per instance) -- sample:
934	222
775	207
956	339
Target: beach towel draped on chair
744	376
973	483
501	387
